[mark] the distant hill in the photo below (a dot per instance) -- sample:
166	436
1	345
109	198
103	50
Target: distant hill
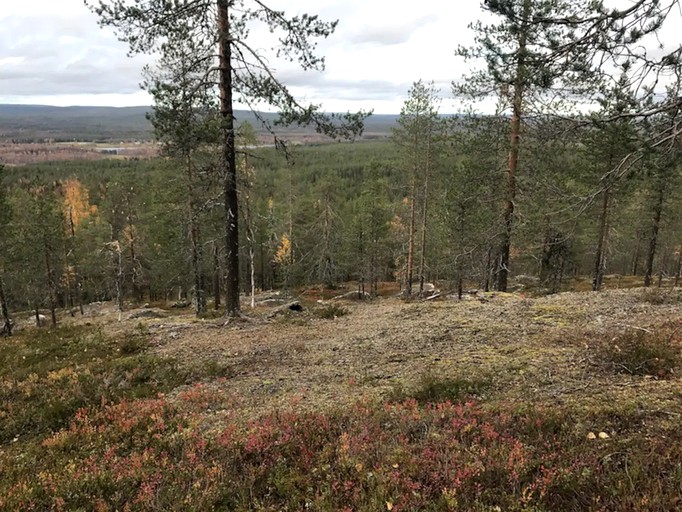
30	123
26	123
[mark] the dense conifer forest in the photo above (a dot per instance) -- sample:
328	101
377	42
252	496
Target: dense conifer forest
329	214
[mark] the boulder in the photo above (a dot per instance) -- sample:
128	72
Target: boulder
287	308
146	313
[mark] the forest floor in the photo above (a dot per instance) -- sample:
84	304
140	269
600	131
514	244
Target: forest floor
498	402
546	350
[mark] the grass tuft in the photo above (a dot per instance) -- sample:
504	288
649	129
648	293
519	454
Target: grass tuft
330	311
661	296
642	352
432	389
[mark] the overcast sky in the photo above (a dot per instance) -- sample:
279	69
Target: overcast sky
53	52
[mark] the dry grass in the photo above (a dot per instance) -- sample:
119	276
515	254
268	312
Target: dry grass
538	350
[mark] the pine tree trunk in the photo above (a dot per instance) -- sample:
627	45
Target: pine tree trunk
678	271
134	277
460	259
68	299
74	262
216	278
6	320
51	285
250	234
252	265
372	274
252	255
634	267
197	265
118	258
261	265
460	277
410	248
651	255
514	146
232	306
600	258
422	255
363	264
488	269
195	240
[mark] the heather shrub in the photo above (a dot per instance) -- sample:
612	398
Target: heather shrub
46	376
158	454
89	428
150	455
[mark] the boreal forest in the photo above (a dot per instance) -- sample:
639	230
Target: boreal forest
235	300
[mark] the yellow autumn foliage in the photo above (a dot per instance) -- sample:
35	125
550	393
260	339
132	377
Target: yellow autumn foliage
284	250
77	202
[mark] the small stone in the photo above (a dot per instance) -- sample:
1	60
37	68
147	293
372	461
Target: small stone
603	435
591	435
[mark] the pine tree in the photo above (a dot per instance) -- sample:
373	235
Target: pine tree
241	71
417	137
607	147
185	122
541	55
5	217
662	169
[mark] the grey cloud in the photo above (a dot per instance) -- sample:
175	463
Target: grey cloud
63	56
370	90
344	89
388	35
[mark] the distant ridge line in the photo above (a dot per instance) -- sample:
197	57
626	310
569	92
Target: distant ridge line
35	122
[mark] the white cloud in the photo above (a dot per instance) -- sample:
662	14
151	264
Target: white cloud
54	52
391	34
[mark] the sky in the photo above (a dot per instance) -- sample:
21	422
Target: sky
53	52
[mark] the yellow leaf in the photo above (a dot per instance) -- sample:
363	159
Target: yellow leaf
603	435
389	505
396	466
283	253
591	436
